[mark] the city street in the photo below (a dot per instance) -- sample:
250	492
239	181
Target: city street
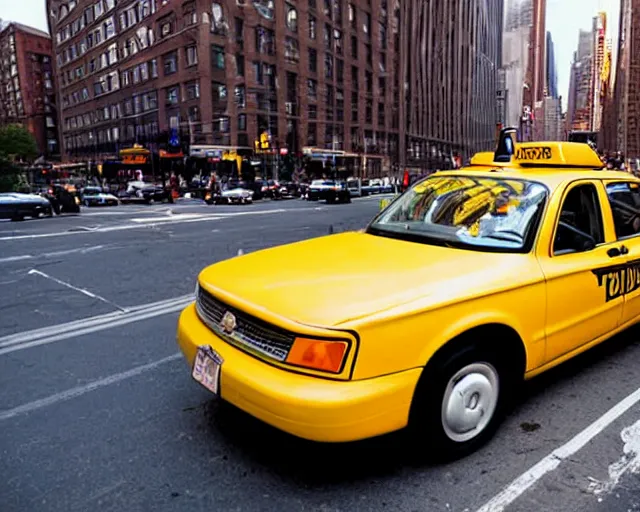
98	410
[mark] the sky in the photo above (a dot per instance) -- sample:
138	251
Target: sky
564	20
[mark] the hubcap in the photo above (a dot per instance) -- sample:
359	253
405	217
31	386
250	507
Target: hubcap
469	401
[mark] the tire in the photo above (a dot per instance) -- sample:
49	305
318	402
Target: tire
460	400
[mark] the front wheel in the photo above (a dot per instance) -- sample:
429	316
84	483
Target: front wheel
459	401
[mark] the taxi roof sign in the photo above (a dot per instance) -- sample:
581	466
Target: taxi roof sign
550	154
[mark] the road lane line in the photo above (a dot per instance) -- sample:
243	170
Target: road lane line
33	271
59	329
81	390
518	487
81	250
118	322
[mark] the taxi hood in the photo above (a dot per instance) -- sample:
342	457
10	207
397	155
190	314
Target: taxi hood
334	279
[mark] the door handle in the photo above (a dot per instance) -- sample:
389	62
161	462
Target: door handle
624	250
614	252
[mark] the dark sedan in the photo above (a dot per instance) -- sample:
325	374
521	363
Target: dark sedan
16	206
329	190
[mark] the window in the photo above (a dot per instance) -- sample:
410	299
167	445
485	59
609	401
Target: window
239	64
217	56
170	62
239	93
312	134
154	68
313	111
239	31
382	86
381	114
312	27
291	50
166	27
218	23
580	224
193	114
265	41
505	222
242	122
258	72
189	14
328	66
337	36
354	47
352	16
369	54
625	204
192	90
313	60
339	71
383	36
366	26
312	89
219	92
327	36
368	81
172	95
354	77
292	18
327	8
191	53
368	115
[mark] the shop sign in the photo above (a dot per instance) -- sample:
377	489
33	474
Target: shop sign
134	159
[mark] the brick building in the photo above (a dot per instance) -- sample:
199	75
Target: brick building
622	112
324	77
27	91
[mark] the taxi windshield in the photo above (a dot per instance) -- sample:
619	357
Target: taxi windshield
480	213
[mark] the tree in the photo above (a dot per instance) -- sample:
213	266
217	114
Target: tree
16	145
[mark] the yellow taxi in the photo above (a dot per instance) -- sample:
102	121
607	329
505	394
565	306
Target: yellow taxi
465	285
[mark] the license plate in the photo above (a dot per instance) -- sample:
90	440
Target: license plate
206	368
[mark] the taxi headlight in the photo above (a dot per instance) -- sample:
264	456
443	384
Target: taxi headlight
322	355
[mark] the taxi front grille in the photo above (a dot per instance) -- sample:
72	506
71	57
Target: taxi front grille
249	332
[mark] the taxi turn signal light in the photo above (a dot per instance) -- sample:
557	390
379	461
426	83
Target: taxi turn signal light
326	356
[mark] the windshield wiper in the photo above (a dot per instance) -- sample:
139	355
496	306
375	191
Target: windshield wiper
507	236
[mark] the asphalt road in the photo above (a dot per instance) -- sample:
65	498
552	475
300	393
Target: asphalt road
99	413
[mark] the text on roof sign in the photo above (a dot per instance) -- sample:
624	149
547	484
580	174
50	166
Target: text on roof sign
534	153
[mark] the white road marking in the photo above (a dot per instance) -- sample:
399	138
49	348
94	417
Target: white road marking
16	258
628	463
518	487
60	332
81	390
174	217
83	291
81	250
149	223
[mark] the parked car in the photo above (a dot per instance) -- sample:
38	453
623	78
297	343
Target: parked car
331	191
354	188
17	206
95	196
142	191
236	192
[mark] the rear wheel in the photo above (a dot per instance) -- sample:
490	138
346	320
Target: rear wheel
460	400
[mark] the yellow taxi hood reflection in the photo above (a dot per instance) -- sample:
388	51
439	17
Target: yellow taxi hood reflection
335	279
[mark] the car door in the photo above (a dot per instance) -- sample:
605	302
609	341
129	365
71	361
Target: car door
583	303
624	200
